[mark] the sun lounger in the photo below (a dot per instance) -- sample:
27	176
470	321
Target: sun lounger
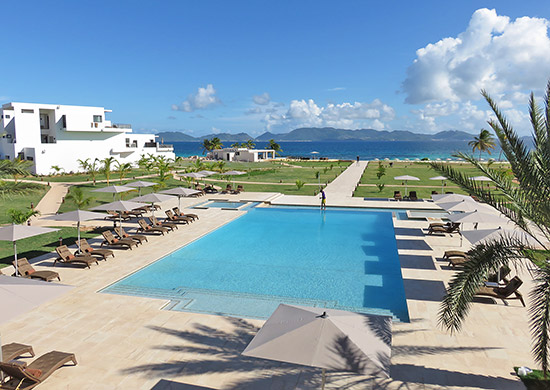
18	377
504	293
454	253
397	195
139	238
27	271
66	257
180	214
113	215
453	227
95	252
117	242
176	218
156	223
143	227
412	195
14	350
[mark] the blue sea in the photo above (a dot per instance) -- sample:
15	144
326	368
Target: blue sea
349	150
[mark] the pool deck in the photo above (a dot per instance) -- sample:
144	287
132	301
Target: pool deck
125	342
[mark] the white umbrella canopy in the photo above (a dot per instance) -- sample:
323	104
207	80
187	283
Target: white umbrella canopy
140	184
234	173
442	178
462	205
447	198
406	178
480	178
180	192
78	216
194	175
14	233
325	338
207	173
152	198
478	216
475	236
114	190
119	205
20	295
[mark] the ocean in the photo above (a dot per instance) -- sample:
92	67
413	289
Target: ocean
349	150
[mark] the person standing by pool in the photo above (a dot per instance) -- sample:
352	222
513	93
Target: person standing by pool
323	200
357	159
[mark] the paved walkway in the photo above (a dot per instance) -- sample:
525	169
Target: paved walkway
50	203
344	185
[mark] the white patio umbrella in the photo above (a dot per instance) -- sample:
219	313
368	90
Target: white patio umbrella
152	198
180	192
462	205
234	173
478	216
406	179
140	184
20	295
114	189
207	173
14	233
442	178
120	206
194	175
447	198
475	236
78	216
325	338
481	178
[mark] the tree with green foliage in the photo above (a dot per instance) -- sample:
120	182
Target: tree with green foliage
250	144
57	170
93	170
381	170
236	145
122	169
484	142
211	144
84	164
106	168
19	217
146	162
220	166
77	196
527	204
274	146
299	184
164	167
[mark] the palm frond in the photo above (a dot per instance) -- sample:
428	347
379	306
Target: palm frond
539	320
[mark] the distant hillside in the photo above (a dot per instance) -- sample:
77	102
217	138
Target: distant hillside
327	134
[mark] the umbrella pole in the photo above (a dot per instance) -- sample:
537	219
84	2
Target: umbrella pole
442	185
1	360
78	236
15	258
179	202
324	380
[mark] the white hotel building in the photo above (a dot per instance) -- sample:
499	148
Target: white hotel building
50	134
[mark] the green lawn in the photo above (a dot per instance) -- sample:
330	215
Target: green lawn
39	245
287	189
20	202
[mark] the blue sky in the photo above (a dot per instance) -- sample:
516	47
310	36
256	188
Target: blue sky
253	66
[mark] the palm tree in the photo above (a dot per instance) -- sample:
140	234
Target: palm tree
527	205
122	169
76	195
484	142
250	144
106	169
198	165
93	169
57	169
216	143
275	146
206	145
220	166
84	164
21	216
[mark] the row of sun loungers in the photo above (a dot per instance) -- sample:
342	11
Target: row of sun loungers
17	375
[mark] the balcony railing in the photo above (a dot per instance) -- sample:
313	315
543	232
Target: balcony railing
120	126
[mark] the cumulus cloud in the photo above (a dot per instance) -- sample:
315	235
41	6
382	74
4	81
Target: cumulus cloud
307	113
204	98
262	99
493	53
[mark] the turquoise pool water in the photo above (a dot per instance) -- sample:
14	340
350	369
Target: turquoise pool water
400	214
338	258
221	204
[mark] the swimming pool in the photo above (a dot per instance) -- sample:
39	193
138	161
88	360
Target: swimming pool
221	204
336	259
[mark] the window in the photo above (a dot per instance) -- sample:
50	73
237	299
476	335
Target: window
98	119
7	117
27	111
63	122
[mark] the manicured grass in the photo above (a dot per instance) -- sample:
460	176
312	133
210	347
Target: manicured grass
540	257
82	177
39	245
387	192
535	380
283	189
20	202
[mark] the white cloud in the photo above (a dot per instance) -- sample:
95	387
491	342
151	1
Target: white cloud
493	53
204	98
336	89
302	113
262	99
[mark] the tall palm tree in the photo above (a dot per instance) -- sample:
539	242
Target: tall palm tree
484	142
275	146
106	169
250	144
84	164
527	204
122	169
21	216
216	143
93	169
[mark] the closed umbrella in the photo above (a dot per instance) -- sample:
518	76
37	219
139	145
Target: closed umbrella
152	198
140	184
180	192
78	216
14	233
325	338
21	295
406	179
114	190
442	178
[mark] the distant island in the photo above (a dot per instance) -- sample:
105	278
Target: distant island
325	134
